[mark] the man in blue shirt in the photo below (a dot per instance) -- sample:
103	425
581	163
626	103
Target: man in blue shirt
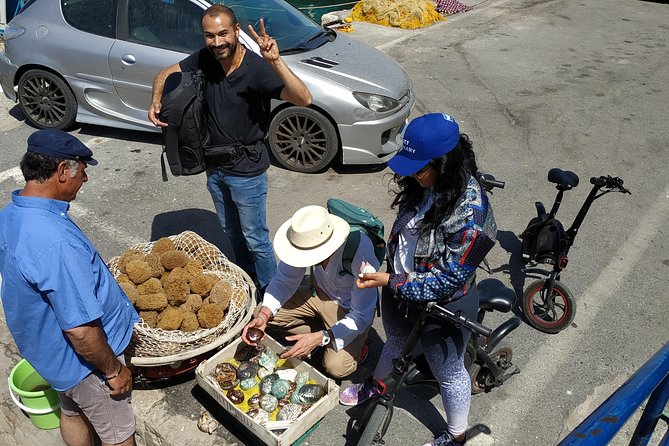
68	316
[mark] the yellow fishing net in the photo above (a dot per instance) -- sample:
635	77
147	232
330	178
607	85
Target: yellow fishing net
406	14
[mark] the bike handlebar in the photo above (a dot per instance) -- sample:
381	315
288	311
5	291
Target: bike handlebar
610	183
458	318
489	182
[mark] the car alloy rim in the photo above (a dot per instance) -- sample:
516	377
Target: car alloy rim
44	101
300	141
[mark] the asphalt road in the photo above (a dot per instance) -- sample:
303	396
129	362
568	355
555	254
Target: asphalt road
536	84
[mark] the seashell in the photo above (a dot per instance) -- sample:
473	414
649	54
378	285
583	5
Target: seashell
287	374
252	412
302	378
236	396
268	403
254	334
207	423
267	383
283	402
246	370
246	353
261	417
224	367
289	412
229	384
310	393
263	372
268	360
295	396
246	384
254	400
280	388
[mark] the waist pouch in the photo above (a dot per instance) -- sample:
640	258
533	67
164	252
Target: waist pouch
229	154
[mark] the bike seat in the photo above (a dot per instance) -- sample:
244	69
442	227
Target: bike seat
563	178
494	295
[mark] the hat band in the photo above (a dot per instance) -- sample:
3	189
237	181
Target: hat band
293	239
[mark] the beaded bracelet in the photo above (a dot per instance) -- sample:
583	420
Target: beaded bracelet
109	378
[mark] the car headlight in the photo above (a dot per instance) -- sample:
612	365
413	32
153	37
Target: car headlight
12	32
376	102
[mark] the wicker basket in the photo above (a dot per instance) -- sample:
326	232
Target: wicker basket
168	346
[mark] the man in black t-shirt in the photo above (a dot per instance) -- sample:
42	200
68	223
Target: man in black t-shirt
240	87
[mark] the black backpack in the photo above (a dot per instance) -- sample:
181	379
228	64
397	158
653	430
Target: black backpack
184	109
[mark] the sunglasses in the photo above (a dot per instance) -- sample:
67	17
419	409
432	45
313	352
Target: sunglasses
422	172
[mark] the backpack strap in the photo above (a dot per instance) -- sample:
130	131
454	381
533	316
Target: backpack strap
350	248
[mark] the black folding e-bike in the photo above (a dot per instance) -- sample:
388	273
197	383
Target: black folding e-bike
488	367
548	304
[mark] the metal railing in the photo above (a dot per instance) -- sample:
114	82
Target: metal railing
650	381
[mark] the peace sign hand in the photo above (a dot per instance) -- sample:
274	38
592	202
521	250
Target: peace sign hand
268	47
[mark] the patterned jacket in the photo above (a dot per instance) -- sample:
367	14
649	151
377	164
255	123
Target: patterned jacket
446	259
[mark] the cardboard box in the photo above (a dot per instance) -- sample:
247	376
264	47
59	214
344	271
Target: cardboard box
279	433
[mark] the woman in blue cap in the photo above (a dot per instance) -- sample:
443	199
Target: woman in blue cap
443	230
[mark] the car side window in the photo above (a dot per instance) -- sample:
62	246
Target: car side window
169	24
91	16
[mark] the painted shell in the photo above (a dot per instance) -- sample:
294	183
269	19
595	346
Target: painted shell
254	400
246	353
259	416
287	374
268	403
229	384
226	375
280	388
301	378
246	370
310	393
263	372
295	396
268	360
254	334
267	383
283	402
224	367
289	412
236	396
246	384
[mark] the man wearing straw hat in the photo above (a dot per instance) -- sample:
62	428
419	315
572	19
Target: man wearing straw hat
68	316
328	310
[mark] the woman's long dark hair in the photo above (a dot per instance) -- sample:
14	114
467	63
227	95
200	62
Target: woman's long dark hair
453	172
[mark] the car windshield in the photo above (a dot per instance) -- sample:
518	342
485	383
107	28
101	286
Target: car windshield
293	30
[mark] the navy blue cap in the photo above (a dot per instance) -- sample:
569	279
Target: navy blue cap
60	144
425	138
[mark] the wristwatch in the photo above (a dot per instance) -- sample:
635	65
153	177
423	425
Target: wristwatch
326	338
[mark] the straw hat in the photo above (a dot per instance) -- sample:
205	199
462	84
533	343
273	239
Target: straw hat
310	236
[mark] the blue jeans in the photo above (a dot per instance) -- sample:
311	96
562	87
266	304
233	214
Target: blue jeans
241	207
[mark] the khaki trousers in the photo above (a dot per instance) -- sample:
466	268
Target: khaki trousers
305	313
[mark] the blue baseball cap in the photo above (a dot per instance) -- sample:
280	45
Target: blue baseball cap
60	144
425	138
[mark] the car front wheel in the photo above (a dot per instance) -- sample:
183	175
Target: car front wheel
46	100
303	139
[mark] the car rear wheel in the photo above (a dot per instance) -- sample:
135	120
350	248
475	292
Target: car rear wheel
303	139
46	100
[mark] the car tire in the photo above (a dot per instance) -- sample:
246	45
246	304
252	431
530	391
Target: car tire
46	100
303	139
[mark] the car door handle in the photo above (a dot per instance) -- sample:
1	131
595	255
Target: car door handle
128	59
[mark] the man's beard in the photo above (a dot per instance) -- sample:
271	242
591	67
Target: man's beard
220	52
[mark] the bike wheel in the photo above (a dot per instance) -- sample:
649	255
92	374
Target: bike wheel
549	314
373	432
482	378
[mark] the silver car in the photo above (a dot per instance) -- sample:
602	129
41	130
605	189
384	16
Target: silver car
93	61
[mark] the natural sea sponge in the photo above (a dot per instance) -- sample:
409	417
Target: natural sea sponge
220	294
162	245
150	318
123	278
194	267
176	286
138	271
190	322
151	286
203	283
156	302
210	315
130	291
192	304
174	259
154	262
133	254
170	319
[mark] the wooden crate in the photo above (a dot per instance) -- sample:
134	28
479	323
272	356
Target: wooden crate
279	433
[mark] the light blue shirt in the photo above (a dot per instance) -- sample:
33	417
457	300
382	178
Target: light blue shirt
359	303
53	279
